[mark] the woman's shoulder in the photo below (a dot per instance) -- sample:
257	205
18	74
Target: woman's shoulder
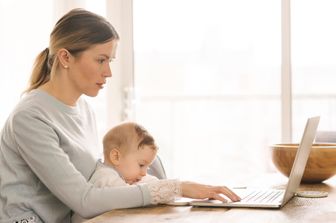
28	104
40	102
34	100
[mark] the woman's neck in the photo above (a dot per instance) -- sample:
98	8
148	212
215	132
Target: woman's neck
61	91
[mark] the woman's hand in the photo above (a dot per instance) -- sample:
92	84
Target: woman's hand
201	191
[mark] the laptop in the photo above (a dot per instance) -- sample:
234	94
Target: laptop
273	198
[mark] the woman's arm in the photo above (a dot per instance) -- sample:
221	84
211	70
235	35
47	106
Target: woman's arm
39	145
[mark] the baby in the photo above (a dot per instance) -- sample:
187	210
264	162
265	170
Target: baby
128	152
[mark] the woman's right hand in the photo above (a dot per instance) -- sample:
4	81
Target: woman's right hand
201	191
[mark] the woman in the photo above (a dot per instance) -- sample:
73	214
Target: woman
46	143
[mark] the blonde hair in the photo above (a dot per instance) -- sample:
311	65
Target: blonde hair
122	136
76	31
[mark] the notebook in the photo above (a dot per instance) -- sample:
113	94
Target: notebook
270	198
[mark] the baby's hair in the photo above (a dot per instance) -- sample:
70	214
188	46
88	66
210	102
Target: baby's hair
146	138
122	136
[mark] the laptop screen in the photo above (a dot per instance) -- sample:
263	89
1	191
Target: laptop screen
301	158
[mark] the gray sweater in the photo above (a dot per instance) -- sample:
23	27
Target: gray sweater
46	161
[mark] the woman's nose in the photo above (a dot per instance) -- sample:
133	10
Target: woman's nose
108	71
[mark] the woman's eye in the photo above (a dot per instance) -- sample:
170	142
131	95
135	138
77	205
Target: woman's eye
141	165
101	61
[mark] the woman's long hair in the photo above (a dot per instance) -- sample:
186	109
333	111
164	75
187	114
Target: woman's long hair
76	31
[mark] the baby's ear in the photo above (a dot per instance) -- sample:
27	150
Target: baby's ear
115	156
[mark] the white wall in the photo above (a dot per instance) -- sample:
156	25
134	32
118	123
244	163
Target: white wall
23	34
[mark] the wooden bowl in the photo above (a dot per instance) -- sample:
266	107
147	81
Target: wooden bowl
321	163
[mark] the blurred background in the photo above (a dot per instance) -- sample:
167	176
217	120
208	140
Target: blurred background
214	81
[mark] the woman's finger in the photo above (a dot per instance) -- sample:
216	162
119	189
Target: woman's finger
219	197
229	193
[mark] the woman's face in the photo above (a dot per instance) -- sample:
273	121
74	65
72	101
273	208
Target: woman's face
88	71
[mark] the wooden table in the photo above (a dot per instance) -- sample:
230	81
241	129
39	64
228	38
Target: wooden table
298	210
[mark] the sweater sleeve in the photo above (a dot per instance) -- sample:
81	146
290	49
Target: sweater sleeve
164	191
39	145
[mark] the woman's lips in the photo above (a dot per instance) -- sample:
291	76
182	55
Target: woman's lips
101	85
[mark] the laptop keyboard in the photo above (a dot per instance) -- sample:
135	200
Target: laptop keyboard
265	196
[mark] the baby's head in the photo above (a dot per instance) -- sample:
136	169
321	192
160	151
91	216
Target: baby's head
130	149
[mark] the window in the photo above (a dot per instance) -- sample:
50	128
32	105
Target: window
207	83
313	62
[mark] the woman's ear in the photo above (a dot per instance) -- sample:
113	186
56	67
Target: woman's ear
115	156
64	58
